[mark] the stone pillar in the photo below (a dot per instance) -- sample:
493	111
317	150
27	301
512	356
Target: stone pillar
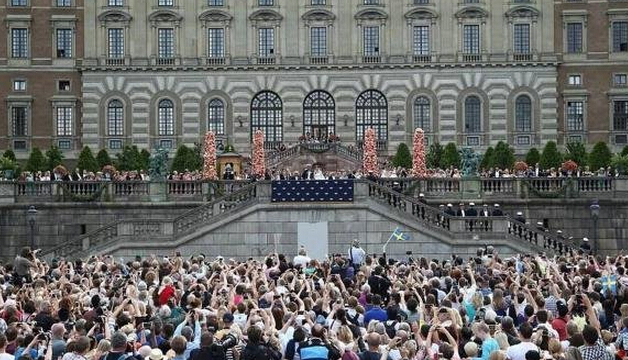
157	191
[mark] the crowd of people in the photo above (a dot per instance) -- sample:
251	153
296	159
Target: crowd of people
351	306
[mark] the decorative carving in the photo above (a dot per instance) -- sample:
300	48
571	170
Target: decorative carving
318	15
421	13
115	16
472	12
266	15
469	162
371	14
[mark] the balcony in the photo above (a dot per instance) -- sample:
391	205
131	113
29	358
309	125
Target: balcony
372	59
472	58
165	61
319	60
115	61
215	61
421	58
266	60
522	57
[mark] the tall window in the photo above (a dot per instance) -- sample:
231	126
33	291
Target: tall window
116	43
216	43
522	38
319	114
371	111
620	115
19	43
165	43
64	43
319	2
266	115
266	42
64	3
19	121
216	117
115	118
64	121
371	2
620	36
215	2
165	2
318	40
523	114
265	2
19	2
472	115
574	38
421	40
115	2
471	39
575	116
371	40
422	113
165	118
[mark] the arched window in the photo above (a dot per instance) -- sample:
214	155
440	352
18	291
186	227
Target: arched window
216	116
165	118
523	114
422	113
472	115
115	118
371	110
319	114
266	115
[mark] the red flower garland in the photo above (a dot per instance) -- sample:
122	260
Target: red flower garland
521	166
370	162
209	157
259	162
570	165
418	154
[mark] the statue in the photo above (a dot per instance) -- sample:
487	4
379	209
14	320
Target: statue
158	168
469	162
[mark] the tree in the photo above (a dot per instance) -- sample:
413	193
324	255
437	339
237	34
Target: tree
620	163
197	158
402	157
533	157
487	159
451	156
9	154
624	151
600	156
144	159
504	156
36	161
184	159
551	157
55	157
103	158
576	152
434	156
129	159
87	161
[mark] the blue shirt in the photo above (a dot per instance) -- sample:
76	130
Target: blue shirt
195	343
489	346
376	313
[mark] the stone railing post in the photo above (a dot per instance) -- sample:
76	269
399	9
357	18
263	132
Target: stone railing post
500	226
360	190
620	185
263	191
9	193
157	191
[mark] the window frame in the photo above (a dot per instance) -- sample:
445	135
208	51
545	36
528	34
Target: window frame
69	52
22	50
118	46
166	47
319	109
216	116
371	110
64	121
166	118
524	114
116	118
473	125
20	89
422	112
267	115
575	120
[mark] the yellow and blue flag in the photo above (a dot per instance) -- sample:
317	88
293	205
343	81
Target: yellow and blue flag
399	235
609	283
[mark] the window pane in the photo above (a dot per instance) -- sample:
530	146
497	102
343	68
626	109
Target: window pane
472	115
371	109
64	43
19	120
523	114
318	41
574	38
215	2
319	2
165	118
19	2
115	2
216	117
575	120
19	43
371	41
115	118
166	43
116	43
266	42
620	36
64	3
266	2
165	3
64	121
522	39
422	113
620	115
267	115
421	40
319	114
216	43
471	39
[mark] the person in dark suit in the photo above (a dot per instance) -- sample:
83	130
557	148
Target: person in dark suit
423	204
485	213
521	220
497	211
308	174
471	212
450	212
461	210
585	246
76	175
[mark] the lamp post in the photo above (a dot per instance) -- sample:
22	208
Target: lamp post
31	217
595	215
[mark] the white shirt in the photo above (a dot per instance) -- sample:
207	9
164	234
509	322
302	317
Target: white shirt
518	352
301	260
357	255
6	356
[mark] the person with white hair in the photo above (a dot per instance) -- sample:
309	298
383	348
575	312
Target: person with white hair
301	259
357	255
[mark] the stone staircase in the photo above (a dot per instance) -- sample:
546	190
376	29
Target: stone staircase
335	156
232	226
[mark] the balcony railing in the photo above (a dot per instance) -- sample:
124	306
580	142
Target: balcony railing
421	58
215	61
114	61
472	58
266	60
318	60
523	57
374	59
165	61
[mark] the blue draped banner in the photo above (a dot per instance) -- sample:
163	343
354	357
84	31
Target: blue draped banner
312	191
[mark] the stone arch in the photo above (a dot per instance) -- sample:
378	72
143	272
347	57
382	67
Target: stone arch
485	104
371	14
102	115
318	15
421	13
536	112
412	96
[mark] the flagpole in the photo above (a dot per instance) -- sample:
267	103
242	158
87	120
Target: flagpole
386	244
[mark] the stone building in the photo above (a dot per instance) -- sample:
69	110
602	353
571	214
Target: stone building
162	72
40	85
592	45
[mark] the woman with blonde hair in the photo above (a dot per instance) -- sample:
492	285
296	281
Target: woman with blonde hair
555	349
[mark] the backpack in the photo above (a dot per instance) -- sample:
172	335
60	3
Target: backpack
349	355
390	328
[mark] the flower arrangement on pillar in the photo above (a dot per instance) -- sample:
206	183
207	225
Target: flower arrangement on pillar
209	157
370	163
418	154
259	166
